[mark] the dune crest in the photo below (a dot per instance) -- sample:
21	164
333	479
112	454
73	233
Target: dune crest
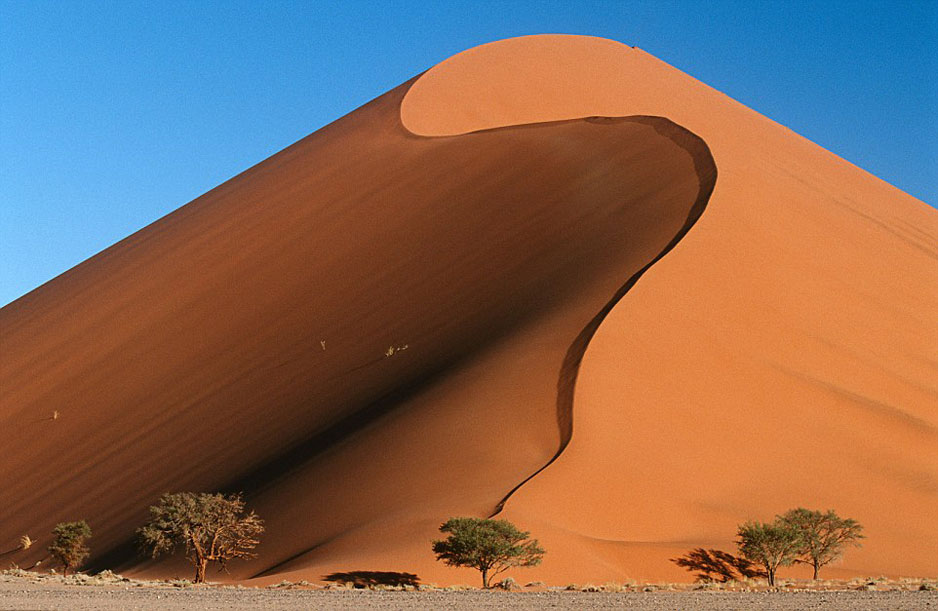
778	358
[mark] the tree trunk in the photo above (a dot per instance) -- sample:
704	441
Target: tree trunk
816	567
485	579
200	570
65	571
771	573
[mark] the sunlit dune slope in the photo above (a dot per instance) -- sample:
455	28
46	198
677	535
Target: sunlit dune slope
365	329
785	354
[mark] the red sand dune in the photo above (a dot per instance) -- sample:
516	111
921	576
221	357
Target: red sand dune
381	326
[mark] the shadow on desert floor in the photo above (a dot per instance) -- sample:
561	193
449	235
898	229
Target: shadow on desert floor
369	579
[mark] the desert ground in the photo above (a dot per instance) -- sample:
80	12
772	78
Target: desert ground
552	279
51	592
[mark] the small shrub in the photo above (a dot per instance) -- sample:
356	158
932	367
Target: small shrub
16	572
282	584
507	584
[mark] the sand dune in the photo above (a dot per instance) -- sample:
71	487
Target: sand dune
495	289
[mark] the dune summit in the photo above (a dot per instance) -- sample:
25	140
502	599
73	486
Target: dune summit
552	279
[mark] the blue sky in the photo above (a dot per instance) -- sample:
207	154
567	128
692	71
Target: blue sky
113	114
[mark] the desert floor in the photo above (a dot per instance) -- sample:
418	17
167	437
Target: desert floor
32	596
30	592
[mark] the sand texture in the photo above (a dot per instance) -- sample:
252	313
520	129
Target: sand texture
553	279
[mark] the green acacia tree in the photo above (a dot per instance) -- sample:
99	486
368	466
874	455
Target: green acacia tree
211	528
489	546
824	536
68	543
770	545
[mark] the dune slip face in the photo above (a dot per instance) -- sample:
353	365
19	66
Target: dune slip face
782	355
480	294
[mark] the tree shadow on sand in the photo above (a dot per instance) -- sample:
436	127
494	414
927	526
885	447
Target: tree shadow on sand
369	579
717	565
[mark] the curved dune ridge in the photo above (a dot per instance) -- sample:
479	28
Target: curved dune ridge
782	356
432	307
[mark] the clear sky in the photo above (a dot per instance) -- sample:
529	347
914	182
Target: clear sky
113	114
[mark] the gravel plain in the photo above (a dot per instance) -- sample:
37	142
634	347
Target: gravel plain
21	594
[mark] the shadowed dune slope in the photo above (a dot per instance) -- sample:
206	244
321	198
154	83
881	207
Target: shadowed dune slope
363	332
784	354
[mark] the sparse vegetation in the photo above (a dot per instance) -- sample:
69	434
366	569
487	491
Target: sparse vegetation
211	528
508	584
24	543
798	535
216	528
68	544
770	545
823	537
489	546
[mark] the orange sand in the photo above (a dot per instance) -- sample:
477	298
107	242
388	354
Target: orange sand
782	354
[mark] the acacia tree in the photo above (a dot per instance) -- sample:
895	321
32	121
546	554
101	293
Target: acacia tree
68	543
211	528
489	546
824	536
770	545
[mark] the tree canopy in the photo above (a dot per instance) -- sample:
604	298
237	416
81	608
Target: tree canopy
770	545
211	528
824	536
68	543
489	546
